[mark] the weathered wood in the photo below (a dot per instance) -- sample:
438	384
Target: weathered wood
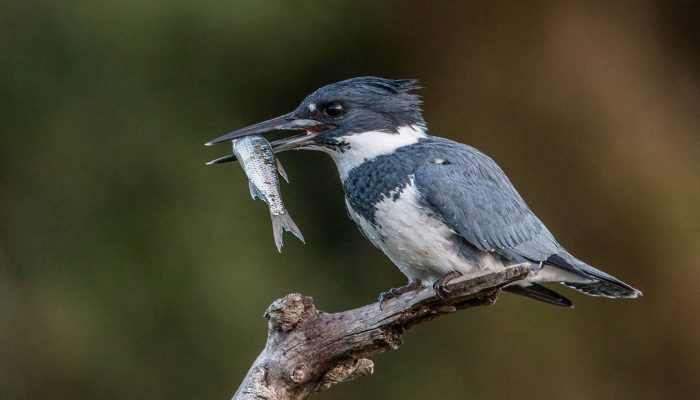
309	350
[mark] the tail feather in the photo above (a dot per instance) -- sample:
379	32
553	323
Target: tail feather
538	292
603	289
601	283
283	222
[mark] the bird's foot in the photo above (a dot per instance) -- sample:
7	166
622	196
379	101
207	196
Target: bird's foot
396	292
440	285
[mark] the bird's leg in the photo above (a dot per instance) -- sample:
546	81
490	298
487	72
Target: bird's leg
440	285
412	285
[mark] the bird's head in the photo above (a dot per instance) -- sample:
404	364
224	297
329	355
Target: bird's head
331	116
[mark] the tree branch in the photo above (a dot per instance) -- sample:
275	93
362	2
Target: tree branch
309	350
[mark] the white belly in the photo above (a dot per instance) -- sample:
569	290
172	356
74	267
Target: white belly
419	244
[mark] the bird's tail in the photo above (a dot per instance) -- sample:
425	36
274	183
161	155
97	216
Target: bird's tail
598	283
283	222
538	292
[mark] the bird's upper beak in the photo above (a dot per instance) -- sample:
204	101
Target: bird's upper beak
283	123
311	128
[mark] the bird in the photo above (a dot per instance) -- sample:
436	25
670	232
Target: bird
438	209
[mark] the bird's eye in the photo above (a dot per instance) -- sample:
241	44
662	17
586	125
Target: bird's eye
334	110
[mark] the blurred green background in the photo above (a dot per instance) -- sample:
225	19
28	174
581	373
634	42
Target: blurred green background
128	269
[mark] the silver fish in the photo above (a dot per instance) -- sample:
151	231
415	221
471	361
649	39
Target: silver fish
261	167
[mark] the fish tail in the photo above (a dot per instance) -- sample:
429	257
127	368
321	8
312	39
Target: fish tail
283	222
290	226
277	230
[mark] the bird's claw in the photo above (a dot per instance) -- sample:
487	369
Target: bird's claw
384	296
440	285
396	292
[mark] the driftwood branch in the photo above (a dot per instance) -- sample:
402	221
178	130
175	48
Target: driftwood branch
309	350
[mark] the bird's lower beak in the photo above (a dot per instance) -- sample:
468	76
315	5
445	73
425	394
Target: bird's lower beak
283	123
289	143
311	129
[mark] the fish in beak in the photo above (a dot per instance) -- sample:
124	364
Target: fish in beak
287	122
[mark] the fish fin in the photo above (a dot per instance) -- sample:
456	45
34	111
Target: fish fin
283	222
281	170
253	191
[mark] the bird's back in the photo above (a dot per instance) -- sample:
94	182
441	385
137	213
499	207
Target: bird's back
386	175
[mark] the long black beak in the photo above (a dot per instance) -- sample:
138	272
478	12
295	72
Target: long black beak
277	146
310	127
224	159
282	123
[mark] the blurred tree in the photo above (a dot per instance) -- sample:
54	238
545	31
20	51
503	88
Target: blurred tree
127	267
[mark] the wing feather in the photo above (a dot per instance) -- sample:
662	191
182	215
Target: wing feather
474	196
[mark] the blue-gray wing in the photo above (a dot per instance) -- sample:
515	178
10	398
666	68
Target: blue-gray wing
474	196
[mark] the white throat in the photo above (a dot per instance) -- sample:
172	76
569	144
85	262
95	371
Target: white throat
368	145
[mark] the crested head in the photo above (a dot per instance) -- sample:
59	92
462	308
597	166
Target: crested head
363	118
353	120
365	104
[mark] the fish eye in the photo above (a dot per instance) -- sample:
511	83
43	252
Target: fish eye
334	110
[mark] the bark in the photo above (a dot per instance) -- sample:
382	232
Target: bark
309	350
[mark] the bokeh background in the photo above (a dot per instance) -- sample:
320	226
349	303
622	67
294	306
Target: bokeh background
128	269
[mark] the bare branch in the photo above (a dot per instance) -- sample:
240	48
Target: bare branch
309	350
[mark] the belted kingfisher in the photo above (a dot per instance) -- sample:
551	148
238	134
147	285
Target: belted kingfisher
437	208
